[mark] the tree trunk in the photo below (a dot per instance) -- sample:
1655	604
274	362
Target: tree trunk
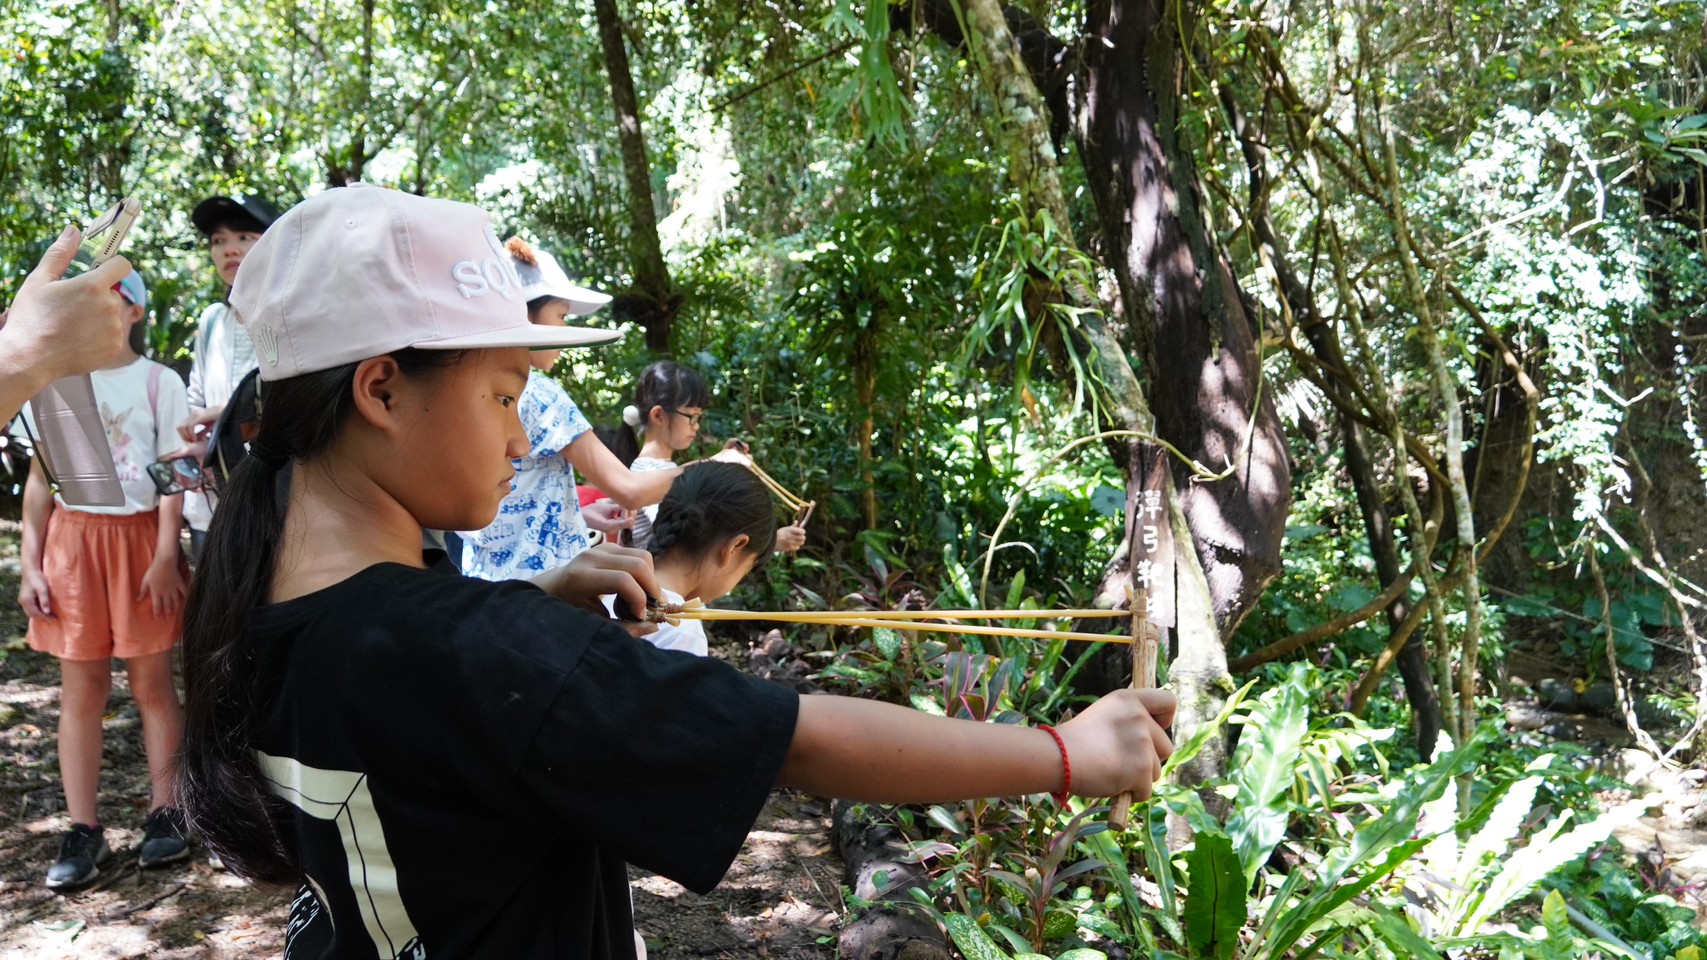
114	150
865	358
1183	318
1177	298
343	170
1458	488
652	301
1426	718
1151	287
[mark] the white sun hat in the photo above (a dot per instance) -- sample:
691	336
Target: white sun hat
542	277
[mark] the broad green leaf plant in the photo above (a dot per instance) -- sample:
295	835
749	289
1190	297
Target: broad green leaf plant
1313	858
1458	885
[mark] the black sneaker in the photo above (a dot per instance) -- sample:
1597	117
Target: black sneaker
81	854
163	838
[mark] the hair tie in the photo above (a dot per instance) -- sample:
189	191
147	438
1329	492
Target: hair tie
269	457
522	251
631	415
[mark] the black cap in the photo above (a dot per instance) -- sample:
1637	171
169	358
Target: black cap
239	211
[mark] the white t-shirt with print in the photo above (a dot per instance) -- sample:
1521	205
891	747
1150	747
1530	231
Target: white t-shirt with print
687	635
539	525
138	431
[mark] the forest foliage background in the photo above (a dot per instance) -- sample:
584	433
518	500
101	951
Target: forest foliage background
1413	294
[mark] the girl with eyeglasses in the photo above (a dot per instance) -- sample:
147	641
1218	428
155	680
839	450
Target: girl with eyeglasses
669	402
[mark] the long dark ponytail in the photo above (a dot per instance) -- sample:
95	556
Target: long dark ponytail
664	384
711	503
219	781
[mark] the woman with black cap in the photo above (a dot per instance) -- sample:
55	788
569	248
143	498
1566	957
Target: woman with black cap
223	355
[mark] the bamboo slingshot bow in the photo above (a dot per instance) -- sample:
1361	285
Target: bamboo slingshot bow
1147	637
1144	655
802	508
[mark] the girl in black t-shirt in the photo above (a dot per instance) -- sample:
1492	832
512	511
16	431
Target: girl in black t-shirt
342	697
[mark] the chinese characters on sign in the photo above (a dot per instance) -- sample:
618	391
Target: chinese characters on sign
1150	536
1152	545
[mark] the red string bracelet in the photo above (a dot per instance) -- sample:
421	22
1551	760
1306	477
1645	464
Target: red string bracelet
1066	765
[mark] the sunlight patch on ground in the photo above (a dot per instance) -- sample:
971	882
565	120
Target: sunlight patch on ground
659	887
47	825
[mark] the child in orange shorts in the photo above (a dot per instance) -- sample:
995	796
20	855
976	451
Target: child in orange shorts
105	582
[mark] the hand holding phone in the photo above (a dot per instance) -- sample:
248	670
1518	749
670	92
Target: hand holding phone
73	446
58	328
176	475
200	424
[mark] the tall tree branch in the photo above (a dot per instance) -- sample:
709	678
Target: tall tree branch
653	300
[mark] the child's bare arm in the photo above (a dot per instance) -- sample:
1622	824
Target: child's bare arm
167	543
863	750
38	506
603	470
163	582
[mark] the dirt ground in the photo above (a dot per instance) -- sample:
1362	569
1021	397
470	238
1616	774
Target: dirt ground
782	899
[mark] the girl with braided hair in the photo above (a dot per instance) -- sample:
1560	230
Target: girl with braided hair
716	524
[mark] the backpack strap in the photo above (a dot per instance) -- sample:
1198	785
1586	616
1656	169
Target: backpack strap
154	374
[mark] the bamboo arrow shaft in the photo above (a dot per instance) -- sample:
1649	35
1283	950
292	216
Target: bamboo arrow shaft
969	628
836	616
989	631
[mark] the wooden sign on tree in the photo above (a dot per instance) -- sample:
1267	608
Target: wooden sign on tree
1150	597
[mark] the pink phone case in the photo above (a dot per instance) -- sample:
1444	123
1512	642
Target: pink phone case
74	443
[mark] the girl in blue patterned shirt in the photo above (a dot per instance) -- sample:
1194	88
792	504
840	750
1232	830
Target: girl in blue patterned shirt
540	525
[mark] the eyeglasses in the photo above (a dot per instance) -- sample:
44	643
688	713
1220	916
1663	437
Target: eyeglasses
693	419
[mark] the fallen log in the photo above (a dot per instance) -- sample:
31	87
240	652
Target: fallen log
897	927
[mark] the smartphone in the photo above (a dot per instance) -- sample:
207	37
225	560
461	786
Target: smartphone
102	239
73	443
176	475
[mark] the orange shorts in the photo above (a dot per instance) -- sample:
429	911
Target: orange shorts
94	565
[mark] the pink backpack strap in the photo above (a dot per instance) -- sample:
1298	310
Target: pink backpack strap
154	374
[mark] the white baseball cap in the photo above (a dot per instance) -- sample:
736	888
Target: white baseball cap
362	271
544	278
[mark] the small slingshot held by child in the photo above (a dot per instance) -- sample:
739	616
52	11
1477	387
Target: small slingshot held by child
802	508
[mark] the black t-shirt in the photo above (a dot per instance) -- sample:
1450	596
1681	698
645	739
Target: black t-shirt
470	765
